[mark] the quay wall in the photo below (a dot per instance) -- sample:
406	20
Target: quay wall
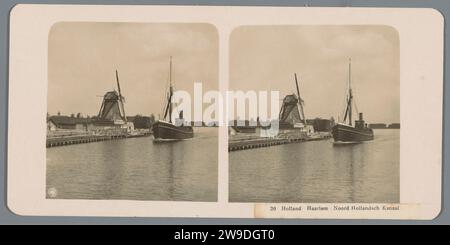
240	143
64	138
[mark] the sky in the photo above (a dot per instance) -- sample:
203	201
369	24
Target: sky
83	58
266	58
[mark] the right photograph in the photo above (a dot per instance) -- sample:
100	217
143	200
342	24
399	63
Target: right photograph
335	134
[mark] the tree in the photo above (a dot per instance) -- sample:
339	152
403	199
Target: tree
152	118
141	122
333	121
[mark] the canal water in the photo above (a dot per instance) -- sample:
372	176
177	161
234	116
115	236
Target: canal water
319	172
136	169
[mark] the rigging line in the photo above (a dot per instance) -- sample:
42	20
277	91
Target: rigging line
356	106
343	115
345	104
165	94
164	106
354	102
345	112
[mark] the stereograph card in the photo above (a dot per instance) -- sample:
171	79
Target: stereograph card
226	112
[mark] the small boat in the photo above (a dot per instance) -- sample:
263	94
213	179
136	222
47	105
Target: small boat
347	133
166	130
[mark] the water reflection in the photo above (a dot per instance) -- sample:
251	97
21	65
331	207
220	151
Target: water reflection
137	169
319	172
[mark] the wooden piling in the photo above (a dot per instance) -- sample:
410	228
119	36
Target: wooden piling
64	141
247	144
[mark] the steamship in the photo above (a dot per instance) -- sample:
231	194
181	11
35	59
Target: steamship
166	129
345	132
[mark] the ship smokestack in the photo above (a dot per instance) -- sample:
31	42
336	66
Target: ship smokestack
361	117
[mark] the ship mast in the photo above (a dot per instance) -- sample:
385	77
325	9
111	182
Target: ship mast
348	111
168	107
300	101
171	91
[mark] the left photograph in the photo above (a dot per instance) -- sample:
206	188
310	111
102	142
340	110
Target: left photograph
115	127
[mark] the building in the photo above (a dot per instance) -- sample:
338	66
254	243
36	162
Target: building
394	126
321	125
112	115
51	126
141	122
67	123
290	113
112	108
377	126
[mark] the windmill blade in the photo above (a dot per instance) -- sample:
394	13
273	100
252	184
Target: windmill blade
298	89
118	84
121	98
300	100
101	109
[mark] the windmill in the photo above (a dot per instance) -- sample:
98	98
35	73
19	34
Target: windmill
292	111
112	107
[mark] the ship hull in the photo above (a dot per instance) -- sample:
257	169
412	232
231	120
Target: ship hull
167	131
348	134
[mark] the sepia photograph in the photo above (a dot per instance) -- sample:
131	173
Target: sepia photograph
225	112
338	121
113	129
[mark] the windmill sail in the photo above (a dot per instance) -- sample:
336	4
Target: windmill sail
300	101
121	98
